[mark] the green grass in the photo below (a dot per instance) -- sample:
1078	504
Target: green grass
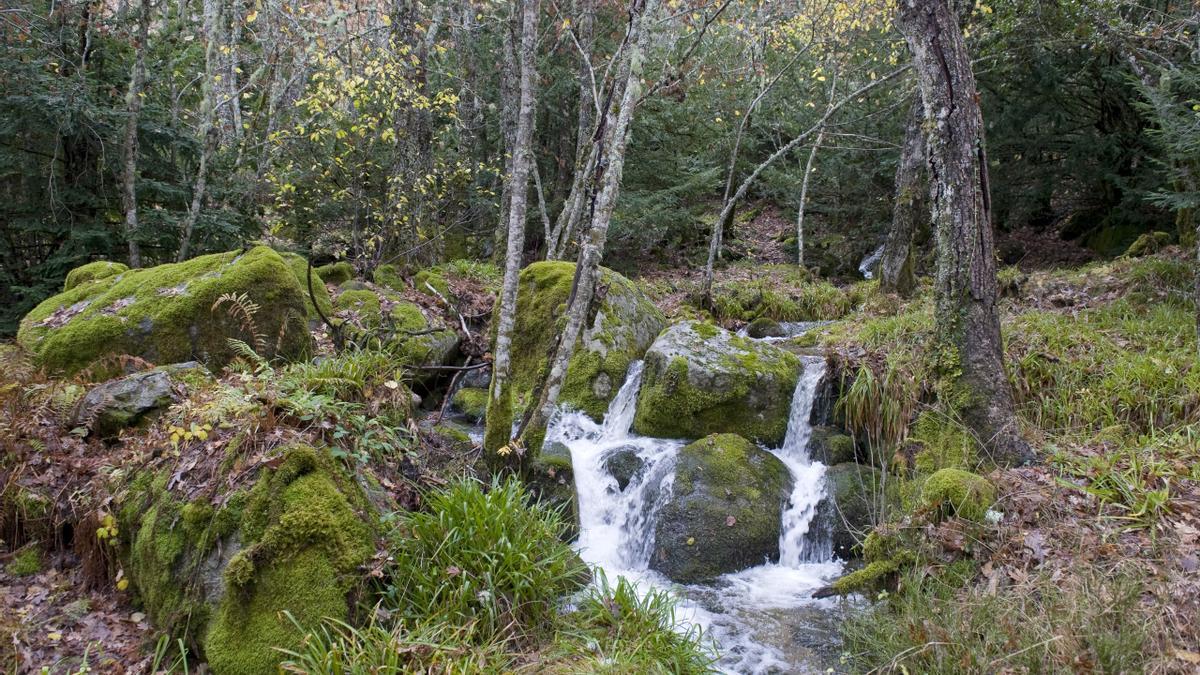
1088	623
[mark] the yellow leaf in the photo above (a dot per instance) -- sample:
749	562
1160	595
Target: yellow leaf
122	584
55	636
251	16
387	20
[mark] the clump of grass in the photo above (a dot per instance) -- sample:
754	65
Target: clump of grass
1090	622
487	560
622	628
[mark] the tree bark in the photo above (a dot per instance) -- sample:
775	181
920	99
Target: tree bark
896	274
509	114
808	169
572	210
134	109
591	249
499	411
968	323
207	132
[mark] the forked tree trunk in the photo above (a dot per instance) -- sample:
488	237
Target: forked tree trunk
591	247
499	410
808	169
968	324
572	210
134	110
896	273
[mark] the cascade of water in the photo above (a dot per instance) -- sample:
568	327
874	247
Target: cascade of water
867	266
796	543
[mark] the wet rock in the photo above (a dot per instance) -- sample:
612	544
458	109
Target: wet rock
724	512
471	402
551	480
830	446
700	379
623	464
764	327
853	494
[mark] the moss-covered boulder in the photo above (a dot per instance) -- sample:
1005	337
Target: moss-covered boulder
220	573
955	492
853	496
725	510
388	276
99	269
1150	242
624	325
471	402
764	327
173	313
700	379
830	446
299	267
336	272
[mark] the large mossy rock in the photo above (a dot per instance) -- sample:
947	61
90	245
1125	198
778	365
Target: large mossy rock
220	573
700	379
299	266
404	327
166	314
725	510
100	269
623	327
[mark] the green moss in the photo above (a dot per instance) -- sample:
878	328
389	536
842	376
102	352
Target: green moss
471	402
308	540
364	303
943	442
99	269
299	266
499	423
388	276
871	578
336	272
956	492
432	277
165	314
26	562
408	317
706	330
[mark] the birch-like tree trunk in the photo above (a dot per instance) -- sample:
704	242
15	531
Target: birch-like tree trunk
509	114
808	170
968	323
499	410
591	249
134	110
572	210
207	133
896	274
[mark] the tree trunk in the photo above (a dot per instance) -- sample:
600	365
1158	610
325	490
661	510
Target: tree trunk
499	411
572	210
591	249
896	274
207	133
134	109
968	324
509	93
808	169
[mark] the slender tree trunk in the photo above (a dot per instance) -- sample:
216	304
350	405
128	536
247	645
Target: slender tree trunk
896	274
134	109
808	169
591	249
207	133
509	94
499	411
968	323
572	210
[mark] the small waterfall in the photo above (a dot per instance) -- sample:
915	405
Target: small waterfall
750	614
796	543
867	266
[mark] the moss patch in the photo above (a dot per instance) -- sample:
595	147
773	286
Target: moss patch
299	266
26	562
100	269
388	276
336	272
956	492
165	314
471	402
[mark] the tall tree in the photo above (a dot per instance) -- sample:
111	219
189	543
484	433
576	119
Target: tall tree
968	323
133	111
499	412
208	135
896	274
591	246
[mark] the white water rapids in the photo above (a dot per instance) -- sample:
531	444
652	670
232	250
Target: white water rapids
763	619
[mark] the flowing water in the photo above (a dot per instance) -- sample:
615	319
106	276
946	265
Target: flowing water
867	266
763	619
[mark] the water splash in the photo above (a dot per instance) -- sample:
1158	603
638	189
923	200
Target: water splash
867	266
